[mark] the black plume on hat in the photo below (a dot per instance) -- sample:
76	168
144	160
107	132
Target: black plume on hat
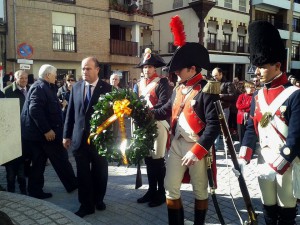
150	58
265	44
190	54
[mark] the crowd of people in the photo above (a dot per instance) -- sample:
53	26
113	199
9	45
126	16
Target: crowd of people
55	120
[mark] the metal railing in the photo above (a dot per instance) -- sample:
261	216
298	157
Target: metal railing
127	48
295	57
147	7
220	45
144	9
64	42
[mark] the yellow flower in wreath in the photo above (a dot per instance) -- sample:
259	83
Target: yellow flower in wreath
115	106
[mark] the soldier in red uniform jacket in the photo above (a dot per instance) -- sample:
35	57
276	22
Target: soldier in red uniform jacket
156	92
274	119
194	126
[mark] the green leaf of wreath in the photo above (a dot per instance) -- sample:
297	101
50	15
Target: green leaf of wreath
144	134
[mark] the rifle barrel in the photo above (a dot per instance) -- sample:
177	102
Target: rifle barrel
243	186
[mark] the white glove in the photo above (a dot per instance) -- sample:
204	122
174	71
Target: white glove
266	172
242	164
189	159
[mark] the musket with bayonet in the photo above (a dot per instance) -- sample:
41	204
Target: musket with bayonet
241	180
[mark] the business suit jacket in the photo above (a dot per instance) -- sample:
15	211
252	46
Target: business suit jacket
92	169
12	91
77	123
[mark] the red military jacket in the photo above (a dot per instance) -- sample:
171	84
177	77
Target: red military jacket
158	95
199	112
288	113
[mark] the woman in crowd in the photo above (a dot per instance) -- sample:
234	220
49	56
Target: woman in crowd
243	104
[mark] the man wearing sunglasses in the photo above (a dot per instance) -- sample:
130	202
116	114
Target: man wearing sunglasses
64	91
256	82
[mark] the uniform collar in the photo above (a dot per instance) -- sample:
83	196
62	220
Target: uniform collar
195	79
280	79
152	78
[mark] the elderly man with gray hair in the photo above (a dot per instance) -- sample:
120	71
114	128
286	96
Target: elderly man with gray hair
42	127
15	168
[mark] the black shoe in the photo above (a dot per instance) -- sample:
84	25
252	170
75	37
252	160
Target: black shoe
100	206
146	198
157	201
42	195
82	212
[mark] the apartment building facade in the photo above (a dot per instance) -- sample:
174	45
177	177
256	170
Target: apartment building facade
221	26
63	32
285	16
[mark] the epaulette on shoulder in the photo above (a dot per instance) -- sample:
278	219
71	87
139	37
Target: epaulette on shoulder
212	87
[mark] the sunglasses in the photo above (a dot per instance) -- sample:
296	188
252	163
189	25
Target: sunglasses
70	80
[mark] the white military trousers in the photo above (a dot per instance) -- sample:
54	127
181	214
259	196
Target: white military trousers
278	192
175	171
161	140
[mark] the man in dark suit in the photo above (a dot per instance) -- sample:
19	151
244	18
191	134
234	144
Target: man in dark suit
42	128
15	168
92	169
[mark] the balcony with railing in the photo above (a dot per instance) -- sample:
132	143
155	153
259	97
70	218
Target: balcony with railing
212	46
242	49
228	47
126	48
65	1
222	46
145	9
295	57
64	42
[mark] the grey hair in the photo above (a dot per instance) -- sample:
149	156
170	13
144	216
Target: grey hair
46	69
115	74
18	73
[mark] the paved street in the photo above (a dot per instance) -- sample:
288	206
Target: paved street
122	208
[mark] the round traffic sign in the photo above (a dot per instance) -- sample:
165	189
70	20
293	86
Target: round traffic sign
25	50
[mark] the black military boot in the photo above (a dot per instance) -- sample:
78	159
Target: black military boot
201	207
150	194
160	195
270	214
287	216
175	212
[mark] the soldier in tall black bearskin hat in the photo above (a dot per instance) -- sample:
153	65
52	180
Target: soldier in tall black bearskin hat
274	119
155	90
194	125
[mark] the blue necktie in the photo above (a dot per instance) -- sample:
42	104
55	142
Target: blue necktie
88	96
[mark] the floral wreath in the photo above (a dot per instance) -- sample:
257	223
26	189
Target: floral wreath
115	106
